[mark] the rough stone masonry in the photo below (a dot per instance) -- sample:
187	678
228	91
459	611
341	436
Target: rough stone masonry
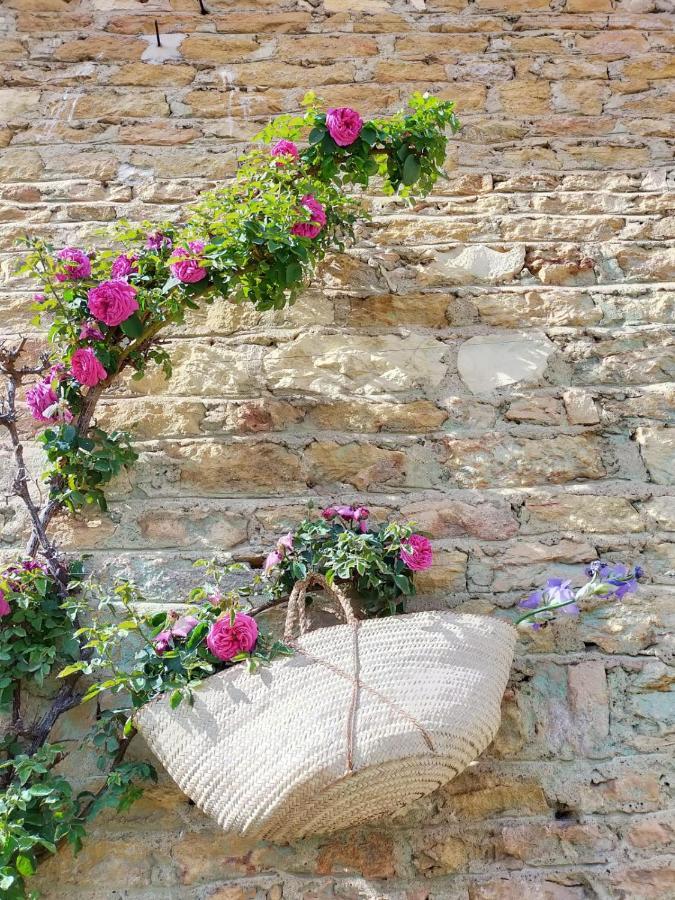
494	362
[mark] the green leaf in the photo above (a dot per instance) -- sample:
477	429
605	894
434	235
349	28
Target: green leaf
24	865
176	699
132	327
411	170
369	135
41	790
293	272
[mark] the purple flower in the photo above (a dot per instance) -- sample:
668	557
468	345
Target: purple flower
227	639
187	268
112	302
156	241
39	297
90	332
45	405
5	608
329	512
163	642
417	552
615	579
559	590
76	264
570	610
318	218
86	368
534	601
123	266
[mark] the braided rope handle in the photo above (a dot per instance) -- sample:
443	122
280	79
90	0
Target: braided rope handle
297	603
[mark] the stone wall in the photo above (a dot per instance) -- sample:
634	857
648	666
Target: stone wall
493	363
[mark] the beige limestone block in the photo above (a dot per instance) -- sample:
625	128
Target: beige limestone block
331	366
657	446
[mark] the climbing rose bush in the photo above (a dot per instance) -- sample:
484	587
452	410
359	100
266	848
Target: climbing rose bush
257	239
172	651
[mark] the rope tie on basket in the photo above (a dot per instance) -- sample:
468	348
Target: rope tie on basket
297	610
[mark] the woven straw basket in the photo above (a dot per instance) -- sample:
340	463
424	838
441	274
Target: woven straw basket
361	721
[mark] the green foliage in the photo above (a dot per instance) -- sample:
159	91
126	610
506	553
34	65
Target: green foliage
339	549
82	465
38	631
38	809
161	652
250	254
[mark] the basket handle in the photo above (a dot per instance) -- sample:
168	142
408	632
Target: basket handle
298	598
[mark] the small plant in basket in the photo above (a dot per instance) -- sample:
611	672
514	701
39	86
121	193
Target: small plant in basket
377	561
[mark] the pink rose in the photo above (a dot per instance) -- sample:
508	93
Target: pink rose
39	297
416	552
44	404
90	332
124	265
313	227
113	302
344	125
77	264
187	268
226	640
86	368
285	148
5	608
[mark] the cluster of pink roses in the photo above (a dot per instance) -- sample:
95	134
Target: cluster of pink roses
344	126
43	400
227	637
356	514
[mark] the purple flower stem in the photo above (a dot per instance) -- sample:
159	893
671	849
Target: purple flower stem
548	608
